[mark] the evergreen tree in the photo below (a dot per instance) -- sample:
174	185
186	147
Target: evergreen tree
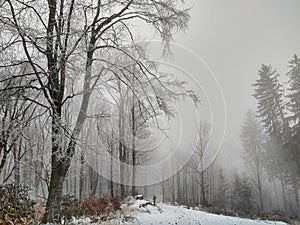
294	96
293	144
292	147
222	190
247	195
242	195
269	93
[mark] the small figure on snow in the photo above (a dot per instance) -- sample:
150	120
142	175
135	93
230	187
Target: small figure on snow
154	199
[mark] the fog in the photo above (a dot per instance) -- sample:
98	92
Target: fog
144	97
234	38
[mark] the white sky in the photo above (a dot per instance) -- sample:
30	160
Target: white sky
234	37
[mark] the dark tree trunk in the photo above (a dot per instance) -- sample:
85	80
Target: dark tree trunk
94	179
203	189
111	175
122	171
179	191
133	178
59	171
17	154
81	178
133	148
122	147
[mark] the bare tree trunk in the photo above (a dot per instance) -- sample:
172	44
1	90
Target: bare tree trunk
203	189
133	147
94	179
37	180
163	190
122	170
173	189
81	177
59	171
75	179
111	176
275	190
179	191
185	184
67	185
295	189
17	153
283	192
122	147
133	174
259	182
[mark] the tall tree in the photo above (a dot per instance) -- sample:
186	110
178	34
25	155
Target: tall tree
242	194
16	115
221	191
280	157
293	144
294	108
253	152
269	95
197	163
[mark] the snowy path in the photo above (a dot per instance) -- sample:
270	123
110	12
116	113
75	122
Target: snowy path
174	215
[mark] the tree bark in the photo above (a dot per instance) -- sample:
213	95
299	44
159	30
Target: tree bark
122	147
58	174
133	148
17	153
81	177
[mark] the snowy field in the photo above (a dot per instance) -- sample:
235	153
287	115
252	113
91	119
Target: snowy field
165	214
178	215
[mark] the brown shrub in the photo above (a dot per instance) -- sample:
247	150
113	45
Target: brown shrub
39	210
96	206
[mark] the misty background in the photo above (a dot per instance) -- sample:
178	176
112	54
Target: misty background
234	38
114	110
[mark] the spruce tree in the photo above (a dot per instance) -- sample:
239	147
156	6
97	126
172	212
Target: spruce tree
294	96
222	190
242	195
270	109
293	145
269	94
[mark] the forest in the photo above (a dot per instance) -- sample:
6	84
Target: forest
81	105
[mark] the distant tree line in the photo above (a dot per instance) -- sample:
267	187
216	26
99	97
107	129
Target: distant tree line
270	139
276	143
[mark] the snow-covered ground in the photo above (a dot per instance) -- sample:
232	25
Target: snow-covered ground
165	214
181	216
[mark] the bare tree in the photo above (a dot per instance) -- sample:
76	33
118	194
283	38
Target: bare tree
16	115
55	38
199	170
